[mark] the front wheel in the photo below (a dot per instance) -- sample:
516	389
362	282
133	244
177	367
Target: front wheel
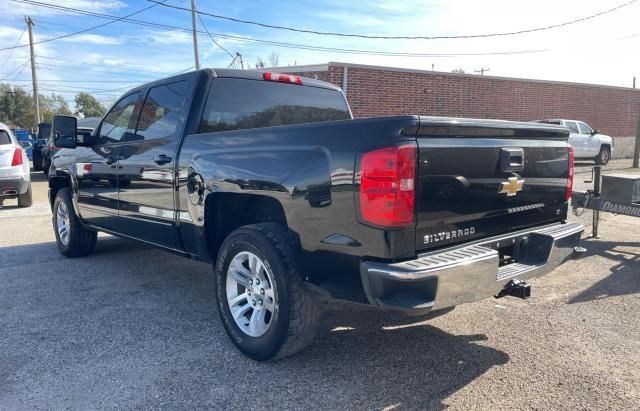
265	308
603	156
72	238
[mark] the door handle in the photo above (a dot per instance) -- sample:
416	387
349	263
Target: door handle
162	159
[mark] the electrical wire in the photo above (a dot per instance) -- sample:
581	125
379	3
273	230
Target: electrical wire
87	29
211	37
366	36
20	67
278	43
11	53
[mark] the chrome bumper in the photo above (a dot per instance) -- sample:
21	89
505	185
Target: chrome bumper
468	272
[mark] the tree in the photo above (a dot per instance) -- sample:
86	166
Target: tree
16	106
458	71
88	106
274	59
260	63
53	105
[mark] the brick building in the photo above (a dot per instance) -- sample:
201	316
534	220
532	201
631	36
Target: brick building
378	91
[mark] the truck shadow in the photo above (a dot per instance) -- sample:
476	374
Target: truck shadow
625	275
148	319
374	360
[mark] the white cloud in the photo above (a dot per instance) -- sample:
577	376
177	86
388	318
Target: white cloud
94	39
170	37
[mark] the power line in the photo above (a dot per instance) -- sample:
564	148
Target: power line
288	45
11	53
24	66
87	29
366	36
211	37
275	43
15	70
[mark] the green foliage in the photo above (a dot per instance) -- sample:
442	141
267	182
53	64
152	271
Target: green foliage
88	106
16	106
52	105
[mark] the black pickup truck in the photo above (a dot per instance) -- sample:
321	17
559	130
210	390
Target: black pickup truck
268	177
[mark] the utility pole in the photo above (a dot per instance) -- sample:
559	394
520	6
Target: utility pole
34	77
481	71
195	34
634	81
636	151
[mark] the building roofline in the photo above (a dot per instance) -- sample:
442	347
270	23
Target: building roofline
325	67
303	68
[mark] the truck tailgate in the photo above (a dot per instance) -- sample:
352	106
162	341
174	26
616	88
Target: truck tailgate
483	177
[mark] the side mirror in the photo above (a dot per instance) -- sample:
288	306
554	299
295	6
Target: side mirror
64	131
26	144
594	132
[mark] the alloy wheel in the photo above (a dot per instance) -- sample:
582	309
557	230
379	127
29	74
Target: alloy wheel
250	294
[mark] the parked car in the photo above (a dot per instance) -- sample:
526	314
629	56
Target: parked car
587	142
49	148
44	129
23	135
15	177
267	176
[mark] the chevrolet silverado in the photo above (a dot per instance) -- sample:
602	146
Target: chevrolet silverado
269	178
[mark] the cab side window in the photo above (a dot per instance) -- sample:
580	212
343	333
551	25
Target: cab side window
584	129
160	114
573	127
121	120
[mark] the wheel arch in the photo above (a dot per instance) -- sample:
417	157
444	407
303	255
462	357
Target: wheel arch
225	212
55	184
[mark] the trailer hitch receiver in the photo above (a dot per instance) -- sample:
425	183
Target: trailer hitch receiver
516	288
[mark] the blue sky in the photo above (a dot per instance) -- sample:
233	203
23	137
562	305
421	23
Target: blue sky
108	60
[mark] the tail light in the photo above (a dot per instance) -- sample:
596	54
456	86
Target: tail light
387	186
571	172
17	157
282	78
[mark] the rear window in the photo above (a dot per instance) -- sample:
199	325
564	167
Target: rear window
4	137
235	104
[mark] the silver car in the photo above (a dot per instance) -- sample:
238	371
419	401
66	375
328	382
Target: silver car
15	177
587	142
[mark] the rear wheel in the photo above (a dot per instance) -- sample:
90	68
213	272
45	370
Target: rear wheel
265	308
603	156
37	163
26	199
72	238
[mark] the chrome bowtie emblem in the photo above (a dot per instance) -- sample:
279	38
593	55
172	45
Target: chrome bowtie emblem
511	186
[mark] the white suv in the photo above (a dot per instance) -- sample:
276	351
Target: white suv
15	177
586	142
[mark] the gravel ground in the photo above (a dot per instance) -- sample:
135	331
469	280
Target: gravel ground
134	327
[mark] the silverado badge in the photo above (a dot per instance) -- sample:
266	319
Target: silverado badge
511	186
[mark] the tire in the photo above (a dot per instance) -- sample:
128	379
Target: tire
37	163
293	321
78	241
26	199
603	156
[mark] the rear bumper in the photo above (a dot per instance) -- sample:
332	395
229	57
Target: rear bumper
13	186
468	272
